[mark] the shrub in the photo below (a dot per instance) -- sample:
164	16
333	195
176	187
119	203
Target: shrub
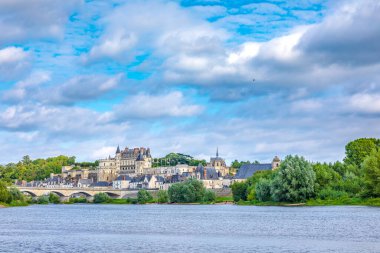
16	195
4	193
78	200
209	196
53	198
294	180
263	187
190	191
239	191
143	196
43	200
101	198
329	193
162	196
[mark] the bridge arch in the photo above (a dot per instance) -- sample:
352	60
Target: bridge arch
113	195
57	193
81	193
30	193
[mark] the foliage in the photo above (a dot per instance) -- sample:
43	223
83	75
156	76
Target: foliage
162	196
78	200
4	193
371	167
101	198
38	169
325	176
358	150
15	194
190	191
294	181
53	198
263	189
209	196
329	193
43	199
239	191
143	196
236	164
173	159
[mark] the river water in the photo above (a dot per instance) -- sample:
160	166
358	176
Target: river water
188	228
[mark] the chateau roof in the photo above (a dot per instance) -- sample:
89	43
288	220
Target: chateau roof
211	172
247	170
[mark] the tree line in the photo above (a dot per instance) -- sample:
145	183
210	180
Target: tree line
298	180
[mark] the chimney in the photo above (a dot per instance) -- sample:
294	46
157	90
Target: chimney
204	173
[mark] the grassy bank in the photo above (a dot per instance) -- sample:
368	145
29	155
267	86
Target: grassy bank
318	202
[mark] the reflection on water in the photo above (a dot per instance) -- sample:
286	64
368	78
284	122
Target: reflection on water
188	228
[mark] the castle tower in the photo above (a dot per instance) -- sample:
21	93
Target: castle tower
276	162
118	153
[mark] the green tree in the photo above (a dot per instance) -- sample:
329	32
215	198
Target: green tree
371	167
15	194
239	191
358	150
209	196
101	198
190	191
162	196
4	193
43	200
325	175
263	189
294	181
53	198
143	196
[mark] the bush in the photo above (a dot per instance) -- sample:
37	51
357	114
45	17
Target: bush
239	191
143	196
16	195
162	196
209	196
329	193
78	200
101	198
43	200
53	198
294	181
263	187
190	191
132	200
371	166
4	193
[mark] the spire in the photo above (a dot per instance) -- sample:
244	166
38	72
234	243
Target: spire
217	152
117	150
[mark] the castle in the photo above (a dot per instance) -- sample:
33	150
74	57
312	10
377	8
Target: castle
126	162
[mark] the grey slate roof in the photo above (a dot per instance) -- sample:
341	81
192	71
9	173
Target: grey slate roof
247	170
124	178
211	172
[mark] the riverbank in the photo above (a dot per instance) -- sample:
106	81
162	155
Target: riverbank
318	202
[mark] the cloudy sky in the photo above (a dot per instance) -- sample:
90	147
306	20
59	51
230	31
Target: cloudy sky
80	77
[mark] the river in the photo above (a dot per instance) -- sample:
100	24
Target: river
188	228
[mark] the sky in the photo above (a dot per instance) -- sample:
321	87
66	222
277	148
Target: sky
81	77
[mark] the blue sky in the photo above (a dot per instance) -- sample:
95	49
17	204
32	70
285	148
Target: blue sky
80	77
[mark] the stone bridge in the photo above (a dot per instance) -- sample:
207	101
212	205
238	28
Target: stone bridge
66	193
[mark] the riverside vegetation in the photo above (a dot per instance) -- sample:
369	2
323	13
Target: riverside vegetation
190	191
355	181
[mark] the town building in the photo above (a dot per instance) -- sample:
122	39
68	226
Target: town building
247	170
125	162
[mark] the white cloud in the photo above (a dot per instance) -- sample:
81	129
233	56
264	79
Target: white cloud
151	106
24	20
14	61
21	88
365	103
